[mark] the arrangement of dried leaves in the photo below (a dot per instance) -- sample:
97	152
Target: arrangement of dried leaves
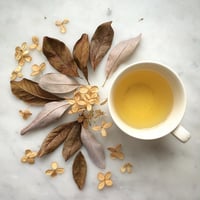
61	93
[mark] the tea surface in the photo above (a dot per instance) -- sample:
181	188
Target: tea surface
143	98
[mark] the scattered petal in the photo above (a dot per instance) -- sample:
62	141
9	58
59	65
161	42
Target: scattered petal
104	180
54	170
25	113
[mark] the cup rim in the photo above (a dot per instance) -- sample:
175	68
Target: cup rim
159	130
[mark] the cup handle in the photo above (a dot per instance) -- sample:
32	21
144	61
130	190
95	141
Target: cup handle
181	134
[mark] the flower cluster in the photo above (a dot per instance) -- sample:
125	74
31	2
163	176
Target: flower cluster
29	157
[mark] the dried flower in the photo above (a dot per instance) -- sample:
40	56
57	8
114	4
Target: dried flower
16	73
116	152
25	113
61	25
104	125
37	69
35	44
104	180
29	157
85	97
22	54
55	170
127	167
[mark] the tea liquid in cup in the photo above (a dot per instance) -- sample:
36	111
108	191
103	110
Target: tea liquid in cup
147	100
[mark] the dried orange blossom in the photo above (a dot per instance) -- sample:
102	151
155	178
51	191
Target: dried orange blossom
104	125
37	69
22	54
116	152
25	113
55	170
16	73
61	25
127	167
85	97
29	157
104	180
35	44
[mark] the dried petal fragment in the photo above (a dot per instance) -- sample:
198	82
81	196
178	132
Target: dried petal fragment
37	69
54	170
35	44
25	113
104	180
104	125
62	25
22	54
127	167
29	157
116	152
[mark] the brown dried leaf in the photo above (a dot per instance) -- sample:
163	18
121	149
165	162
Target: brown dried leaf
55	138
58	83
94	148
51	112
30	92
120	53
79	170
73	141
100	43
59	56
81	54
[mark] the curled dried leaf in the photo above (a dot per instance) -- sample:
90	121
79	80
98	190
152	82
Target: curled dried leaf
59	56
30	92
58	83
81	54
120	53
100	43
94	148
51	112
55	138
79	170
73	141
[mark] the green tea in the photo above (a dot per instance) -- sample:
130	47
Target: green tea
142	98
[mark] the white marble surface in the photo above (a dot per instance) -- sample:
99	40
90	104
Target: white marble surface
163	169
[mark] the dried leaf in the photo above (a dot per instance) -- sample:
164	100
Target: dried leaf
79	170
100	43
51	112
58	83
73	141
55	138
59	56
81	54
30	92
120	53
94	148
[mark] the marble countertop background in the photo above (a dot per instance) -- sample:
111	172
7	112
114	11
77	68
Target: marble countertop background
162	169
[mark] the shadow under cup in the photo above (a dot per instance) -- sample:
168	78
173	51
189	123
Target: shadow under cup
175	115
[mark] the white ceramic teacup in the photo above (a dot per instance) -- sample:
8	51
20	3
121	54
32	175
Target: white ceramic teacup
172	122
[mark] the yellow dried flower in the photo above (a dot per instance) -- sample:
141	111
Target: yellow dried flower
35	44
25	114
22	54
37	69
62	25
127	167
16	73
104	125
85	97
29	157
104	180
116	152
55	170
